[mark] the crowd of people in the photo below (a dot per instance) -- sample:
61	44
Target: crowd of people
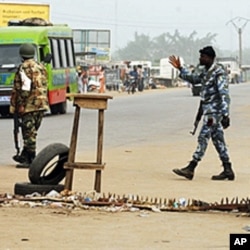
117	77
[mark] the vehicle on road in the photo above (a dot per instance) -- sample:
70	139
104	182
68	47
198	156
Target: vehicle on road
47	39
232	67
131	85
168	75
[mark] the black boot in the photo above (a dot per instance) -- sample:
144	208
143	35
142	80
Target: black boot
32	156
187	172
23	157
26	164
227	173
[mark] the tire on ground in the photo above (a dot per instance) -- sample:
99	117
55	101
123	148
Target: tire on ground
24	188
47	167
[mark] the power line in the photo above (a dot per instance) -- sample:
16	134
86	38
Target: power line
128	23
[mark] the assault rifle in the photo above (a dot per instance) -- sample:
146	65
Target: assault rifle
17	124
197	118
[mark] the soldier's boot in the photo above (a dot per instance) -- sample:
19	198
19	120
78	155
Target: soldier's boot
30	157
188	171
227	173
23	157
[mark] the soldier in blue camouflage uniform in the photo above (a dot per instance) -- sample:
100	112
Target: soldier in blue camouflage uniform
215	103
29	100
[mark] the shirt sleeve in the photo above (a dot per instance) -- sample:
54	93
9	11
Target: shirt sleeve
223	90
190	77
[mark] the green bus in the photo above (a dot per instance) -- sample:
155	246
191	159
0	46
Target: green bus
56	40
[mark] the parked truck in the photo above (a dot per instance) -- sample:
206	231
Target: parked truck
232	67
169	76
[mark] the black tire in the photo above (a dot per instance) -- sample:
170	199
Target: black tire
54	109
47	167
59	108
4	111
24	188
62	107
140	87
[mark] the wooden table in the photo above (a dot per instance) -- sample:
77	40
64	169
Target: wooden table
87	101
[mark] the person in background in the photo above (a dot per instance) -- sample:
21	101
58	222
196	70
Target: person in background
102	80
215	103
117	78
29	101
140	78
134	73
127	75
80	80
85	77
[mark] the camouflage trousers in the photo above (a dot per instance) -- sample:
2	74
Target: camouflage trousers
30	124
216	133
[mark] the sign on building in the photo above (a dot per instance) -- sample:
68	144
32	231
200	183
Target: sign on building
18	11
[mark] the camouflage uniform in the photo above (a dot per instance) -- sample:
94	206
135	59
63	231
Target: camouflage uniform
31	104
215	104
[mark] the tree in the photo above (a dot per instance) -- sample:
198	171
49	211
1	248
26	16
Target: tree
140	49
144	48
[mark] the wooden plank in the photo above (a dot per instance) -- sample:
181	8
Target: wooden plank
91	103
90	96
84	165
72	149
98	173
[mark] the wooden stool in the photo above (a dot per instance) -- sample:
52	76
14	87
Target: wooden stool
88	101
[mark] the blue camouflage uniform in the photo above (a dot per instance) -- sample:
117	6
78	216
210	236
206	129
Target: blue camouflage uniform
215	104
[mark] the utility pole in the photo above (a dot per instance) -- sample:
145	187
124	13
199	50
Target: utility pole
242	22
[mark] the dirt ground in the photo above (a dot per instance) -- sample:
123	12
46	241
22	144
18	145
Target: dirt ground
144	171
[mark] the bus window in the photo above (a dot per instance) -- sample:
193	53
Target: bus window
52	53
70	54
10	54
55	53
63	53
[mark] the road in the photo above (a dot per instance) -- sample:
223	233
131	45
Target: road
146	135
155	116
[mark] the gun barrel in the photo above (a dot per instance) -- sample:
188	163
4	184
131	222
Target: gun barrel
16	132
194	130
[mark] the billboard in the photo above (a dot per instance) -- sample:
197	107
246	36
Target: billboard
18	11
94	41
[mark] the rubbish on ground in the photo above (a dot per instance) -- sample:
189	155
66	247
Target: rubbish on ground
116	203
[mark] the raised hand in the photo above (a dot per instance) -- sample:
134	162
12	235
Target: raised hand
175	61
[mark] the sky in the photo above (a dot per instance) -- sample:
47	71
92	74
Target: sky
155	17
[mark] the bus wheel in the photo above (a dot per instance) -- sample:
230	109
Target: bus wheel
59	108
47	167
62	107
4	111
24	188
54	109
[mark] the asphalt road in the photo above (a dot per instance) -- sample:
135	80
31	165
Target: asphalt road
152	116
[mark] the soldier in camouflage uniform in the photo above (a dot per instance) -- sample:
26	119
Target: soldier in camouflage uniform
215	103
29	101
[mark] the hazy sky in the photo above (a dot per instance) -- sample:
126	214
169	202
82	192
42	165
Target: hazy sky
154	17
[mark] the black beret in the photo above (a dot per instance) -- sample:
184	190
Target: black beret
209	51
